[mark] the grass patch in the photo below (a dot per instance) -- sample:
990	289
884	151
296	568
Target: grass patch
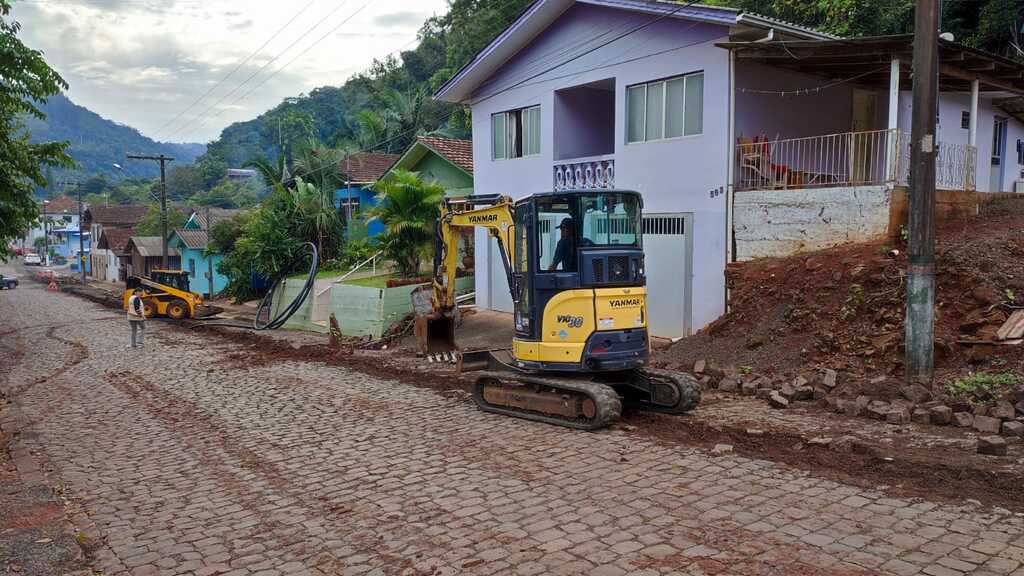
379	281
983	386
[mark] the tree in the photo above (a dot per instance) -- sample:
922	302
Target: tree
184	180
149	224
26	81
319	165
408	208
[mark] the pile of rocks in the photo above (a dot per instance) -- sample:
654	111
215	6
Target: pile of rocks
915	404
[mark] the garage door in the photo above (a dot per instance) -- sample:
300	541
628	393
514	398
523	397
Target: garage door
668	254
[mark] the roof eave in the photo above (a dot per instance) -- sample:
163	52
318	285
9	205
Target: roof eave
785	27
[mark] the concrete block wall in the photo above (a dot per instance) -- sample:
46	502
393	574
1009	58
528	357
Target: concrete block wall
773	223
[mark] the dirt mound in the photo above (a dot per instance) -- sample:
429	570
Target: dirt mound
843	308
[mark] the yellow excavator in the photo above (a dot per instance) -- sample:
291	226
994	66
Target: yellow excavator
575	267
165	293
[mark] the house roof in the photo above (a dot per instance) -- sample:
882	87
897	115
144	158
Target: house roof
148	246
366	167
115	214
115	239
60	205
456	151
194	239
216	215
542	13
868	60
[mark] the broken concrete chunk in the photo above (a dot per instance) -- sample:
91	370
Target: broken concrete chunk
941	415
803	393
992	446
843	444
787	391
1014	429
878	410
980	410
755	432
820	394
1019	407
850	407
987	424
1003	411
776	400
763	393
722	449
749	388
800	381
699	366
916	393
963	419
819	441
897	415
828	379
728	384
921	416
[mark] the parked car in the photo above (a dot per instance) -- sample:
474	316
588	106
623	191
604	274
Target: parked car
33	260
8	283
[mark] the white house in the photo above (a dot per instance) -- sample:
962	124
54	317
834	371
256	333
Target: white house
720	119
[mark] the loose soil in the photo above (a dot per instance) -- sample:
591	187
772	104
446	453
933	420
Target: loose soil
843	308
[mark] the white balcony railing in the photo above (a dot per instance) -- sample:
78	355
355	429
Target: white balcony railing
847	159
585	173
956	165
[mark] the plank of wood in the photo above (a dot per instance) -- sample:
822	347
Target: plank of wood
1013	328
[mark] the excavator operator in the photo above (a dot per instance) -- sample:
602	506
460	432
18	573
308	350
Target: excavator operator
565	250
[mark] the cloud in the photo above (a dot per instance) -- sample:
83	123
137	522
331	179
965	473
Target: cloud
400	19
241	25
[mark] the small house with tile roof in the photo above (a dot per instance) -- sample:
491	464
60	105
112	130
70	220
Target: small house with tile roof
202	271
447	161
145	255
109	260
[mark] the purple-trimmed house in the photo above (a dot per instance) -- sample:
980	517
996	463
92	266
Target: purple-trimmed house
747	136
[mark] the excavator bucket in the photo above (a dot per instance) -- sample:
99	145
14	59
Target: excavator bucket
434	329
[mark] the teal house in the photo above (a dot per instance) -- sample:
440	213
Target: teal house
359	172
190	241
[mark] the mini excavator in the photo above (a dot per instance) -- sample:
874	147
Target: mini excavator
575	267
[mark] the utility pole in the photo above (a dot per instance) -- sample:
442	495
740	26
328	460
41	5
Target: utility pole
163	160
920	321
348	193
46	236
209	258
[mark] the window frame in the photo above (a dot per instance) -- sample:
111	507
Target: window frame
507	116
664	109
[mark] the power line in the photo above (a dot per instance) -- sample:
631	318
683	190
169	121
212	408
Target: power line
236	68
261	69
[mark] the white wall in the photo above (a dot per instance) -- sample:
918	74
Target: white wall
676	175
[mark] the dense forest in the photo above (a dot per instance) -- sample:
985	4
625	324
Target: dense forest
96	144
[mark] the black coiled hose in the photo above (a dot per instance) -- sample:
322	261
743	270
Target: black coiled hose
268	300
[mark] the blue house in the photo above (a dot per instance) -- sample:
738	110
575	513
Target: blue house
191	244
360	172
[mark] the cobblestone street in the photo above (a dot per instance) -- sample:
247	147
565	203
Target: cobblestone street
186	462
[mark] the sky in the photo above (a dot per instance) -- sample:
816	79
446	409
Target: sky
144	62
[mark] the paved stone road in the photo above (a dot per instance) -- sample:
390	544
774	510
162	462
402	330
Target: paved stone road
191	464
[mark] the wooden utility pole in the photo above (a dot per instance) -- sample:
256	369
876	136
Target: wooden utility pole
163	160
920	321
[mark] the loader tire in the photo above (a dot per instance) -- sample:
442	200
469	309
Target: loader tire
177	309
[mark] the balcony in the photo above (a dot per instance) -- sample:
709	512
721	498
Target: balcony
869	158
595	172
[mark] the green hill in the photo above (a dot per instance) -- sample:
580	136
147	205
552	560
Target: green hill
97	143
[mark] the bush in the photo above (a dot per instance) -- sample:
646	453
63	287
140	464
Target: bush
983	386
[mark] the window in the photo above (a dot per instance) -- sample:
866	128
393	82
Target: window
965	119
346	202
515	133
665	109
556	234
192	267
1020	152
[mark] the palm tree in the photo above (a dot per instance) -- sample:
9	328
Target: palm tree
314	217
408	208
320	165
274	173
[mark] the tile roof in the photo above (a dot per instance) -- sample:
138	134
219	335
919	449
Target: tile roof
115	239
216	214
195	239
61	205
458	152
115	214
366	167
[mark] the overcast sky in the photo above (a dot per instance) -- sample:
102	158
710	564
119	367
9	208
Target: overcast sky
142	62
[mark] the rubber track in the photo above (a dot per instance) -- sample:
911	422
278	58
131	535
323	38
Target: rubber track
607	401
689	392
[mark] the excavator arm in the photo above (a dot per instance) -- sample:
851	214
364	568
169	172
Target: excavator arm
436	331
